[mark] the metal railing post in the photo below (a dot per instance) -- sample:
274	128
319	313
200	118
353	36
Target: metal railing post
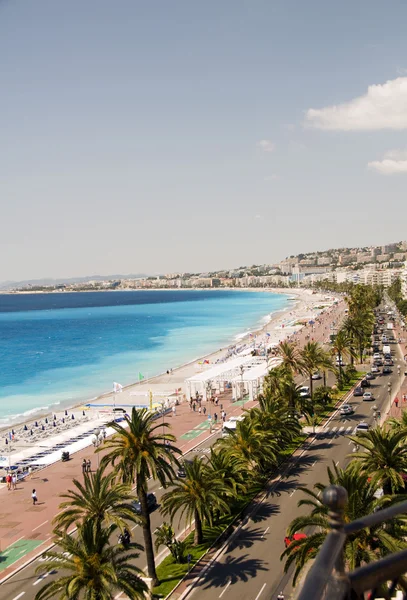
335	497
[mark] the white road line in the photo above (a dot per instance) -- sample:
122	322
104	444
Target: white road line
265	531
224	590
259	594
314	463
134	527
41	578
337	463
38	526
293	492
341	429
160	488
19	596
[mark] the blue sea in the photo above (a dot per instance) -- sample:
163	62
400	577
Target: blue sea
62	348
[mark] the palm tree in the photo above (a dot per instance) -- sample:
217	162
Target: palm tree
313	358
229	470
272	415
342	347
99	499
139	452
256	451
361	547
197	496
91	568
399	423
290	356
384	457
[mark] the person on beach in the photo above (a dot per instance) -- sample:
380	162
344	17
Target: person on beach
84	466
88	466
14	481
34	497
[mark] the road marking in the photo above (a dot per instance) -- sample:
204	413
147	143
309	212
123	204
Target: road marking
292	493
41	578
35	528
337	463
259	594
319	493
19	596
160	488
134	527
314	463
225	588
265	531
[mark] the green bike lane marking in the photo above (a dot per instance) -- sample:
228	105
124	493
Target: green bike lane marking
16	551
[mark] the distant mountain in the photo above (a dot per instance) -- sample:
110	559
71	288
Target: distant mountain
7	285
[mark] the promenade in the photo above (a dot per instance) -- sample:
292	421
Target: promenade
26	530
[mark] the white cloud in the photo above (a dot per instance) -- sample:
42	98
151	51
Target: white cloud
401	71
382	107
266	145
394	162
271	177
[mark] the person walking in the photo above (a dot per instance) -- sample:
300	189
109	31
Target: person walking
204	410
34	497
215	418
8	481
174	410
14	481
199	410
88	466
194	407
84	466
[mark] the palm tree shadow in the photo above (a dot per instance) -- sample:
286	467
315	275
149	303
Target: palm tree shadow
264	511
245	539
233	569
284	487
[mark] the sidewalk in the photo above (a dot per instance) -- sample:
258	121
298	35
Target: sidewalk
26	530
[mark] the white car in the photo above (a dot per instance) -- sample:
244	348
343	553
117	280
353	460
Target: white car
377	356
374	369
316	375
361	427
304	391
368	396
346	409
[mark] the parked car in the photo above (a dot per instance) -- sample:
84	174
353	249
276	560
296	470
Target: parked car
358	391
151	503
346	409
364	383
316	375
387	371
360	427
304	391
367	396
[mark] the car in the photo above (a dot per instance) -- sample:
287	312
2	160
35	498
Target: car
388	362
181	473
293	538
360	427
376	349
304	391
369	375
368	396
387	371
346	409
316	375
339	363
378	362
151	503
374	369
376	356
358	391
364	383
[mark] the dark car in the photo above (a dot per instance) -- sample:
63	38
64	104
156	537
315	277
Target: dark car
388	362
358	391
181	471
364	383
378	362
387	371
151	503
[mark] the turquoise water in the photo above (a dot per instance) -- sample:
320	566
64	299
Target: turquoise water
65	348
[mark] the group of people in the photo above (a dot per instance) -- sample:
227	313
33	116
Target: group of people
86	466
11	480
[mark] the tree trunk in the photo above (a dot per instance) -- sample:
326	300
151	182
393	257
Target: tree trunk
198	535
148	540
310	386
324	378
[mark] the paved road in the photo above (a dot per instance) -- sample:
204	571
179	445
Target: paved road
250	567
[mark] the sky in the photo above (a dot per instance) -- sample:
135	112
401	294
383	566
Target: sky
182	136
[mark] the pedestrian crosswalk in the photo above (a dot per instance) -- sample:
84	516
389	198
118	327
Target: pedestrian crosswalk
334	431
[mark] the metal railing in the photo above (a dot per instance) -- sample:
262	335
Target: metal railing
328	578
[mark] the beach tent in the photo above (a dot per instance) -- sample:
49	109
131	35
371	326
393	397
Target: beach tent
252	379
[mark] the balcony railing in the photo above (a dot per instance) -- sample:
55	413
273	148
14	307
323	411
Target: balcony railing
328	579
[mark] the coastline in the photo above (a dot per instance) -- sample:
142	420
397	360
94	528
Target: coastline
163	384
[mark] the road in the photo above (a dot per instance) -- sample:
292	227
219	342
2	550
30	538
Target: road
250	567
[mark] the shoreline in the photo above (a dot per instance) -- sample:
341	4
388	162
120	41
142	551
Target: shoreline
139	388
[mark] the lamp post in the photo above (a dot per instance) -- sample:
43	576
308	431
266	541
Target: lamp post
97	440
162	414
389	391
241	384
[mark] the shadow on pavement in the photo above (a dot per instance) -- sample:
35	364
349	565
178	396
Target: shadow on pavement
233	569
246	539
283	487
264	511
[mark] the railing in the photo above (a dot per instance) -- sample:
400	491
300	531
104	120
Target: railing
328	580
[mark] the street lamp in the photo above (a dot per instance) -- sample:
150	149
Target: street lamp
162	413
241	384
97	440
